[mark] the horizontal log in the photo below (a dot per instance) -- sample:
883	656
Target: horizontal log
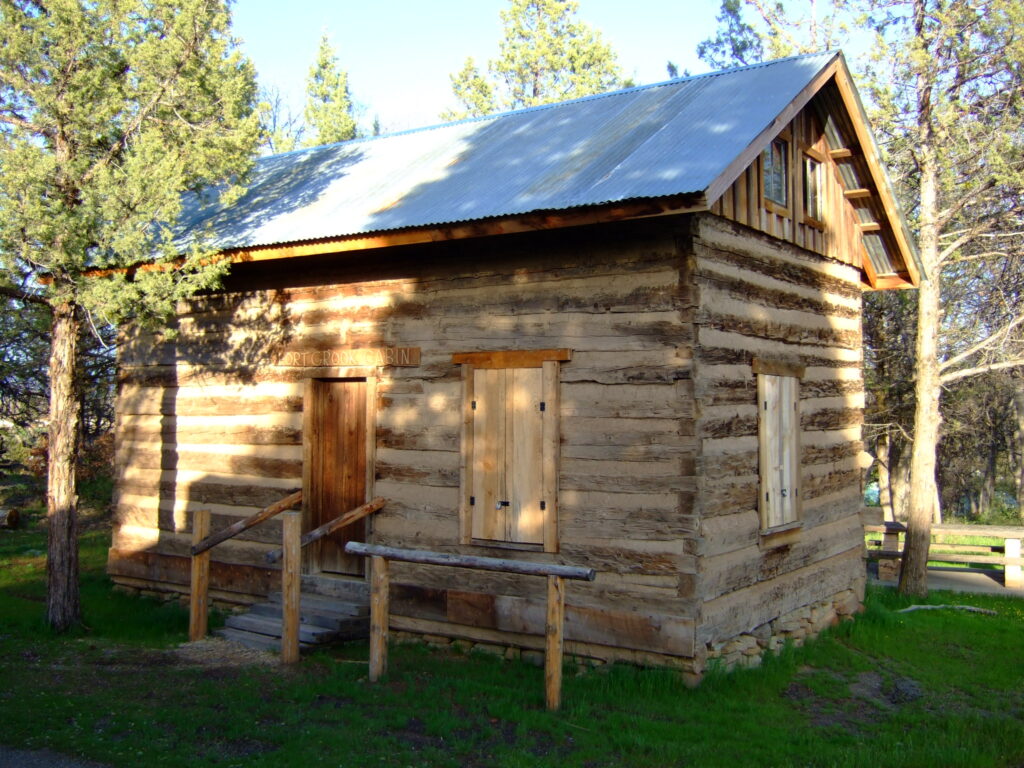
746	288
234	529
469	561
744	609
1000	531
173	459
174	569
771	330
333	525
721	240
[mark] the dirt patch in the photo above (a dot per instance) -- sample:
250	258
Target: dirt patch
218	652
415	736
872	698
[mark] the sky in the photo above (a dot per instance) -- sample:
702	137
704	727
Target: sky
399	53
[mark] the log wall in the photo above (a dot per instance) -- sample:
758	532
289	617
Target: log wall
212	419
755	295
659	453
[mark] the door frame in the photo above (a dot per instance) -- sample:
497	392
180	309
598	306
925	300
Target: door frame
311	430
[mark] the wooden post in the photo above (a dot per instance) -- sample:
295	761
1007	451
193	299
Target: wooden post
889	570
1012	576
553	643
378	618
200	580
291	582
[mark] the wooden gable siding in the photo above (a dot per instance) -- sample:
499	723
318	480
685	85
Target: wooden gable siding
212	419
836	236
760	297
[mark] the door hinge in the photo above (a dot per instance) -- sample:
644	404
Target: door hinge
473	405
472	501
542	405
543	506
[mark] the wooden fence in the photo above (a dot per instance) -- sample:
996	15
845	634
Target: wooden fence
945	549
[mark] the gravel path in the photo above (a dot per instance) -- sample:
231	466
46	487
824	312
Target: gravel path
41	758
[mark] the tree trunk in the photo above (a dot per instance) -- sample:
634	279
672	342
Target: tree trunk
927	385
899	477
884	478
988	482
1018	406
62	600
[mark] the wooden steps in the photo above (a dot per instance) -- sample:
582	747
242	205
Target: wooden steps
323	619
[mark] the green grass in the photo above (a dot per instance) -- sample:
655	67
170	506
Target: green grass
929	688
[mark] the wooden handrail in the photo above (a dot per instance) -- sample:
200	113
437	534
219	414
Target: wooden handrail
330	527
203	541
553	626
234	529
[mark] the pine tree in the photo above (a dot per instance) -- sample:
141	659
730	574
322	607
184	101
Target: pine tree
545	56
109	111
330	114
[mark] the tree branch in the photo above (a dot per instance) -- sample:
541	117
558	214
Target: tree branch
963	373
986	342
20	122
21	295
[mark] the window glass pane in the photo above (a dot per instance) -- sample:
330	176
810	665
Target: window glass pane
775	179
812	188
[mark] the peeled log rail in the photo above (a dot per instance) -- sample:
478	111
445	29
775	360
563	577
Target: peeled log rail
555	616
236	528
471	561
328	528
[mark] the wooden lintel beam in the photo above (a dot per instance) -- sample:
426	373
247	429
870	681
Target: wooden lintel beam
840	154
869	226
857	194
512	358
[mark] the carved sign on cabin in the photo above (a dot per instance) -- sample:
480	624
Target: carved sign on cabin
404	357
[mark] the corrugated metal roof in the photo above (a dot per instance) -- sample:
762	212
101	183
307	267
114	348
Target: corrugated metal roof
650	141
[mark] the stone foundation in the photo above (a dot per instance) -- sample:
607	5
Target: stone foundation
747	649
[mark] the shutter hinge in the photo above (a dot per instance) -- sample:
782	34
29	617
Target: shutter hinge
473	405
472	501
542	405
543	506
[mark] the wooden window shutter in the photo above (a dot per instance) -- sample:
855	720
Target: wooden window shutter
779	441
488	467
510	446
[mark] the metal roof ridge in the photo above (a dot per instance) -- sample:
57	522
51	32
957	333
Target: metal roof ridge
540	107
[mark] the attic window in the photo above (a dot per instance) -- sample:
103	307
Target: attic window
776	179
812	188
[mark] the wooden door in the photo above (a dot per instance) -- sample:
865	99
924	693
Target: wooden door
337	454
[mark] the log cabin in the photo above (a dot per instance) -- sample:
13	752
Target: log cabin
620	332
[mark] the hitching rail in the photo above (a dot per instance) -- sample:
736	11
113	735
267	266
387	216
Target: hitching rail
554	625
